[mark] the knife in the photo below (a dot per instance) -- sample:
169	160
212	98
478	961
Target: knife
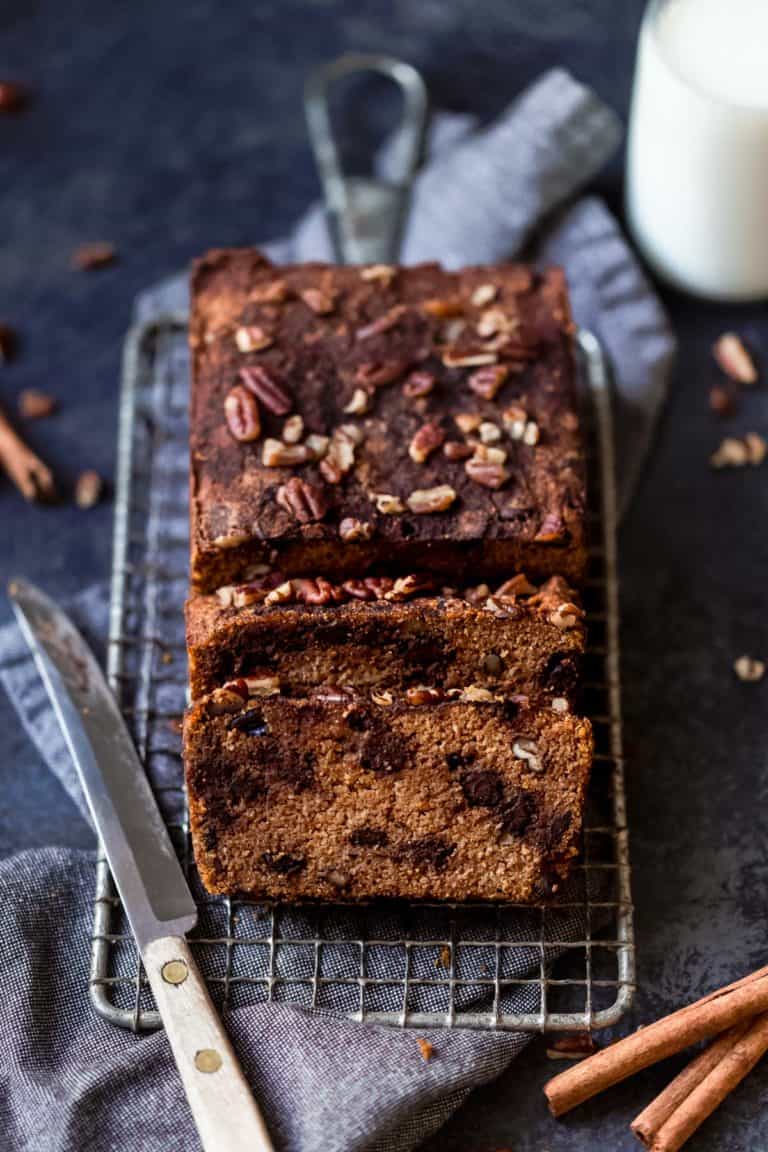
152	887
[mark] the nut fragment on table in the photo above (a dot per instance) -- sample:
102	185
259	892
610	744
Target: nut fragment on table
35	405
736	453
88	489
88	257
8	343
748	669
735	359
13	96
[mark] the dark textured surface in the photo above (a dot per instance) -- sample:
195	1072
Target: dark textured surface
170	128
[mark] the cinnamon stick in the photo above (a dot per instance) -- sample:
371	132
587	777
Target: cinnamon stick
713	1089
32	478
650	1120
706	1017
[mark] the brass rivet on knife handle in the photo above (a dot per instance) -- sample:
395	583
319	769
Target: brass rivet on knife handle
366	214
174	972
207	1060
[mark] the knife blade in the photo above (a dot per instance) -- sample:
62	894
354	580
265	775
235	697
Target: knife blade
145	868
147	873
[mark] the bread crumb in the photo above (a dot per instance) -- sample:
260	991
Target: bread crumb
427	1050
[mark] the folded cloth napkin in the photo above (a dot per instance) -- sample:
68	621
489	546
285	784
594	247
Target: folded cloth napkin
70	1080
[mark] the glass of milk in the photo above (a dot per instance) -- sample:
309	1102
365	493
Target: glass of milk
697	150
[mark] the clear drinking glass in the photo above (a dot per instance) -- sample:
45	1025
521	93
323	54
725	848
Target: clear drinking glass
697	149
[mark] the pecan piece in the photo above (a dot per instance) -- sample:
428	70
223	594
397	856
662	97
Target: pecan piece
293	429
566	616
425	500
487	381
489	454
484	294
734	359
455	450
418	384
352	529
307	502
528	750
489	432
266	389
552	529
425	441
374	374
88	257
358	590
379	585
486	473
382	323
275	454
88	489
467	422
387	504
280	595
274	292
320	302
721	400
35	405
241	410
251	338
421	694
515	419
13	96
748	669
518	585
444	308
319	591
406	586
454	358
358	404
385	273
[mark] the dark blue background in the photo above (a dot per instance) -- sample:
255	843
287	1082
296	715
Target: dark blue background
170	127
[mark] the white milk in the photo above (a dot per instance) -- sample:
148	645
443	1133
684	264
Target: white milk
697	156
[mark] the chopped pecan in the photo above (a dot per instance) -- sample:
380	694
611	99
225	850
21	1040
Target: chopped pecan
552	529
421	694
518	585
426	500
734	359
489	432
352	529
358	590
331	471
88	489
322	303
418	384
527	750
382	323
387	504
358	404
266	389
731	453
307	502
494	322
280	595
489	454
475	595
374	374
444	308
484	294
756	447
531	433
34	404
293	429
456	358
385	273
748	669
487	381
455	450
425	441
515	420
467	422
274	292
251	338
241	410
90	256
350	432
566	616
275	454
405	587
475	694
721	400
384	699
319	591
340	456
379	585
486	473
317	445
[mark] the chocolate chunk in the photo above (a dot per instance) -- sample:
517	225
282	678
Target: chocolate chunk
520	813
368	837
482	788
429	852
561	674
556	829
357	719
283	862
455	760
251	722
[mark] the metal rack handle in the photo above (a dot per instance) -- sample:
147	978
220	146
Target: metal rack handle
366	215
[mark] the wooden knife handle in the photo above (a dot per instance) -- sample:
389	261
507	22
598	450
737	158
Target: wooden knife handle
223	1107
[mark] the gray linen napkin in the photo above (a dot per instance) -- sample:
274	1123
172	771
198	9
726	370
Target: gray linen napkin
69	1080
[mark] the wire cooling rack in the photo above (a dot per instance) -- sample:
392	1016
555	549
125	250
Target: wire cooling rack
566	965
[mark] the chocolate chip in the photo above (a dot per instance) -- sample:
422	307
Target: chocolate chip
556	830
429	852
519	813
511	709
561	674
283	863
455	760
483	788
368	837
357	719
251	722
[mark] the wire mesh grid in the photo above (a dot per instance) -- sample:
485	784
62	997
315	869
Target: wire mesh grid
567	964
